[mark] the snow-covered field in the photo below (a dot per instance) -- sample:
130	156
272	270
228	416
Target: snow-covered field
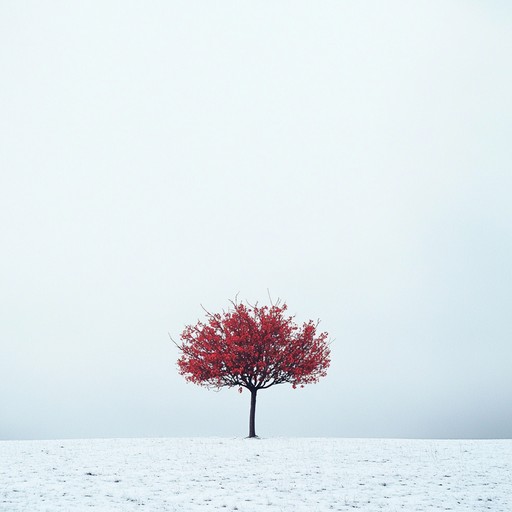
283	474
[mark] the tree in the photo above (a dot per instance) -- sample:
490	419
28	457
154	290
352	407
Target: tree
254	348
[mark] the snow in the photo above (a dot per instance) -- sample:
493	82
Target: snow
282	474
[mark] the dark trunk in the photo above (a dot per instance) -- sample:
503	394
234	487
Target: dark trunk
252	429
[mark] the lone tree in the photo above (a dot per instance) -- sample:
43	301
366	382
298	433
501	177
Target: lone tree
255	348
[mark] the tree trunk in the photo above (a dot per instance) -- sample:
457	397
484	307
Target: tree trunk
252	429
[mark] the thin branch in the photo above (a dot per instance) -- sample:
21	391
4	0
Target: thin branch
251	305
269	297
171	338
205	310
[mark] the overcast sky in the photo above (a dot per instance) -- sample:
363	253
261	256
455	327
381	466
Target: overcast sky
352	157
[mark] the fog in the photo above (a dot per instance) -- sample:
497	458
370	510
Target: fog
353	158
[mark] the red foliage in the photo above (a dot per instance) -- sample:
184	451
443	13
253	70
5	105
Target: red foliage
253	347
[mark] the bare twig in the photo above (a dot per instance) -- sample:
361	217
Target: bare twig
171	338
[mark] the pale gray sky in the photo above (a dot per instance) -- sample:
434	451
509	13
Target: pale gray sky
352	157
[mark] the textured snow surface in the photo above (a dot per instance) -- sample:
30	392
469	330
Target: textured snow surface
283	474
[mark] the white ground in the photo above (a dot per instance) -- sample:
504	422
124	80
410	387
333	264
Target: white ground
205	474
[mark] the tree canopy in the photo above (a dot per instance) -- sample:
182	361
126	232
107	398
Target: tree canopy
253	347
